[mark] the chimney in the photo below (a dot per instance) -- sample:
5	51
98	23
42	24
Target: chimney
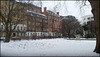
45	9
58	13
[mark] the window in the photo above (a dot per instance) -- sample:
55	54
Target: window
38	34
40	20
21	34
31	34
33	19
24	28
28	8
55	26
2	26
14	15
46	22
32	8
21	21
2	12
6	13
21	16
24	34
6	7
37	24
17	34
50	29
89	18
28	34
21	10
18	28
33	29
84	18
29	18
29	28
33	24
2	6
29	22
14	9
21	28
6	3
18	16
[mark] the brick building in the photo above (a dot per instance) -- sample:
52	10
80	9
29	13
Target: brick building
54	22
37	23
32	22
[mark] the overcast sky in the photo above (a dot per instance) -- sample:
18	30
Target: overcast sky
66	8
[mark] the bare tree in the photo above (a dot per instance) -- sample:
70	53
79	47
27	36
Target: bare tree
96	12
69	25
7	13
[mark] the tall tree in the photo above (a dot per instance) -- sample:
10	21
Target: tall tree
96	12
69	25
95	4
7	14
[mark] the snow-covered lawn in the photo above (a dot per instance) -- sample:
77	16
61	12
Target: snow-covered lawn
49	47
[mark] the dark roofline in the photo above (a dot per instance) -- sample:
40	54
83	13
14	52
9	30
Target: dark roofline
52	13
28	4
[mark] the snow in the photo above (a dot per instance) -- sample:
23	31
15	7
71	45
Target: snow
52	13
49	47
36	13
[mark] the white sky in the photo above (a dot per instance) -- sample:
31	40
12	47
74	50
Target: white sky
66	8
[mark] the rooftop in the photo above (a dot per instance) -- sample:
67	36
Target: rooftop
32	13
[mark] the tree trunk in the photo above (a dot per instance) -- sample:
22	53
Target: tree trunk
7	38
96	12
69	34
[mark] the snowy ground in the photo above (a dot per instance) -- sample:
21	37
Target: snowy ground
49	47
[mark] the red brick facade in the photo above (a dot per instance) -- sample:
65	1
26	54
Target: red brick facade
54	21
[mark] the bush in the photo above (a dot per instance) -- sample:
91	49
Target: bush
89	36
